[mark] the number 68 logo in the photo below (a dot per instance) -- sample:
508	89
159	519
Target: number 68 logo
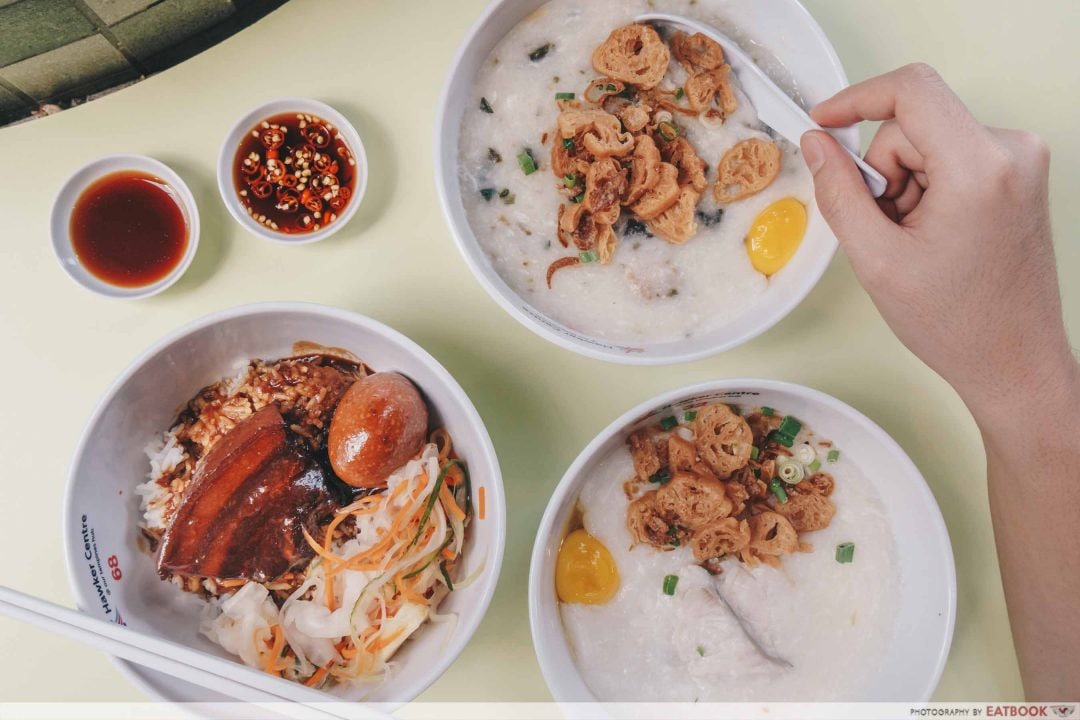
114	563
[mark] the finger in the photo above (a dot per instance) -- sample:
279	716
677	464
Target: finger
909	197
843	199
893	155
932	117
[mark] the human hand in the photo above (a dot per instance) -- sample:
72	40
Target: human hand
957	255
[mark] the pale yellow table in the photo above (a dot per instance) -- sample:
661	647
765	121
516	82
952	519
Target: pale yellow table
383	63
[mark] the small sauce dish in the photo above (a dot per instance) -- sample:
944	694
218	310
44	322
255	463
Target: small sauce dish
292	170
125	226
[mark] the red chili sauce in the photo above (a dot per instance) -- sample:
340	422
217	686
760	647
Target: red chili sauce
129	229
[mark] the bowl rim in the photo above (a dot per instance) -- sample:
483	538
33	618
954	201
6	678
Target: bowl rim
550	329
544	645
63	205
258	113
495	500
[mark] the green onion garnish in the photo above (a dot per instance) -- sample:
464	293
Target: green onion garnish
701	651
814	466
679	92
689	415
845	552
833	456
767	411
569	181
789	426
670	581
754	453
446	576
666	423
757	473
660	477
780	438
587	257
610	88
487	193
568	143
667	130
564	96
579	197
504	192
494	156
778	490
540	53
485	106
525	160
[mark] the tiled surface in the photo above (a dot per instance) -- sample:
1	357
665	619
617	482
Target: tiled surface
60	51
86	65
167	23
30	27
113	11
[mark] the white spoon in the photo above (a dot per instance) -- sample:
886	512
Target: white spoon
209	671
773	106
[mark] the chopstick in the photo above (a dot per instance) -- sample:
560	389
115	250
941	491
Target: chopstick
209	671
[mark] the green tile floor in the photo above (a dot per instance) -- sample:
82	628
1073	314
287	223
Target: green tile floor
55	53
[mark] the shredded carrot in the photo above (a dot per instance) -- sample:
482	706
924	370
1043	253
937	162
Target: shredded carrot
380	643
441	439
448	553
348	652
275	650
407	592
330	591
317	677
454	475
448	503
482	510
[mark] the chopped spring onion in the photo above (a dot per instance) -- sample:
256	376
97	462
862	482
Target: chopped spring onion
779	438
508	197
767	411
487	193
494	156
587	257
754	453
679	92
778	490
701	651
805	454
446	576
485	106
568	143
833	456
689	415
670	581
526	161
790	471
433	497
564	96
667	130
845	552
541	52
579	197
757	473
666	423
814	466
789	426
569	181
661	478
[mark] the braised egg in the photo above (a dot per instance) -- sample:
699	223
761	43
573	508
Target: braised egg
775	235
585	572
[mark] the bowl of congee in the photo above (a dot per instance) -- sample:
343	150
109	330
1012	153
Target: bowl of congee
610	185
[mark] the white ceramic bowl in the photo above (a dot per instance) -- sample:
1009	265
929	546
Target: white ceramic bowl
916	655
101	511
60	223
786	30
252	118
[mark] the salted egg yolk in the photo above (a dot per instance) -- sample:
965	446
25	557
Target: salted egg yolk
775	235
585	572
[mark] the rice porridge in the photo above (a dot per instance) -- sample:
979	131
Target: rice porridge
651	290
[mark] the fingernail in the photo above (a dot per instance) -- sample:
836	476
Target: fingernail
813	152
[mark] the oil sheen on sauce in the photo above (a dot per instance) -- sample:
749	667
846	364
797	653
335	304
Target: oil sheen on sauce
128	229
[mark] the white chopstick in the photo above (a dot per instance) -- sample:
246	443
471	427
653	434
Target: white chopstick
209	671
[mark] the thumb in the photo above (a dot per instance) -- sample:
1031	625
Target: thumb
842	196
